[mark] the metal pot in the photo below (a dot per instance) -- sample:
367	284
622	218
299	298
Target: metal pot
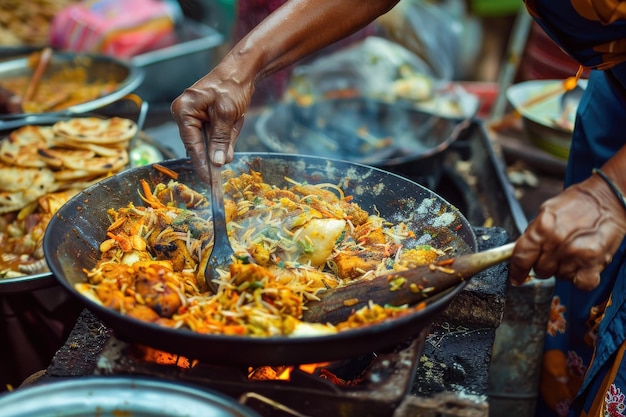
73	237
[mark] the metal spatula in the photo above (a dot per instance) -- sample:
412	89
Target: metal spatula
221	253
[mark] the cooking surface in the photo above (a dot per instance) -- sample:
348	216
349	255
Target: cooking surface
472	180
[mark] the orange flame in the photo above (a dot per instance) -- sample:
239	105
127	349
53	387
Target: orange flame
282	373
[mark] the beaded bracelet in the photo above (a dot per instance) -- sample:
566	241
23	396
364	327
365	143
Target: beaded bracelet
613	187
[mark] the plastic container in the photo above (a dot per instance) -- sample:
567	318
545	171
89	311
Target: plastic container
115	27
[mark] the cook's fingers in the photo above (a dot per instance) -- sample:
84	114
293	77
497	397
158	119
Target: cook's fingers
237	126
193	140
587	279
223	133
524	258
234	135
198	155
567	271
547	264
188	111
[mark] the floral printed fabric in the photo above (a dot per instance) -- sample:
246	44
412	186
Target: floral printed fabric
610	400
586	330
614	402
583	373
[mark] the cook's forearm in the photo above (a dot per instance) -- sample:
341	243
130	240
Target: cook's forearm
298	28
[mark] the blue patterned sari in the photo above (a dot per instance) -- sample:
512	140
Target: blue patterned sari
583	371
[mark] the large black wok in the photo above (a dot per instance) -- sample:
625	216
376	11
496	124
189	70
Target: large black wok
74	235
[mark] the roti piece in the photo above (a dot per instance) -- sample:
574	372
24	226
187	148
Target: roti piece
102	150
21	146
17	178
99	164
96	130
31	133
81	183
21	186
95	167
59	157
71	175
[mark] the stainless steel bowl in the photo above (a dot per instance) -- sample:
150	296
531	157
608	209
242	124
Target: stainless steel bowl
97	67
546	124
117	396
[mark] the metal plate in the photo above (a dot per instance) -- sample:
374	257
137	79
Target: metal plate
97	67
119	396
547	125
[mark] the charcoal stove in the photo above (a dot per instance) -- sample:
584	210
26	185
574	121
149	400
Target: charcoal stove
443	373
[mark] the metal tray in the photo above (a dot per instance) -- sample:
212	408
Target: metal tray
127	75
46	279
119	396
161	77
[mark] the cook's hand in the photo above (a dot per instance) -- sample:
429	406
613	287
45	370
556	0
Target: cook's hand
573	236
217	102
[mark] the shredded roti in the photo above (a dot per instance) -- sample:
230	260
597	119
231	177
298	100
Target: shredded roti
289	244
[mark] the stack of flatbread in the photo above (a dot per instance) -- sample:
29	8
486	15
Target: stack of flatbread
71	154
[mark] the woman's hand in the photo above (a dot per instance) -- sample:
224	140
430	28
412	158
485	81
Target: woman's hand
210	115
573	237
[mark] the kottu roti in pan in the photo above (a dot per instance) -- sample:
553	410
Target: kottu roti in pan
131	247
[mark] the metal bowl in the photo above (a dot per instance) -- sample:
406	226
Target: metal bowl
98	67
546	124
41	280
357	129
119	396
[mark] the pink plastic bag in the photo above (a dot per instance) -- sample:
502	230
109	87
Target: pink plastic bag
119	28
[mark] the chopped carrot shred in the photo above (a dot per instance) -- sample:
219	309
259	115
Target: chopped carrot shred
166	171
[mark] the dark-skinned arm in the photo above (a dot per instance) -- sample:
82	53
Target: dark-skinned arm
218	101
576	233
